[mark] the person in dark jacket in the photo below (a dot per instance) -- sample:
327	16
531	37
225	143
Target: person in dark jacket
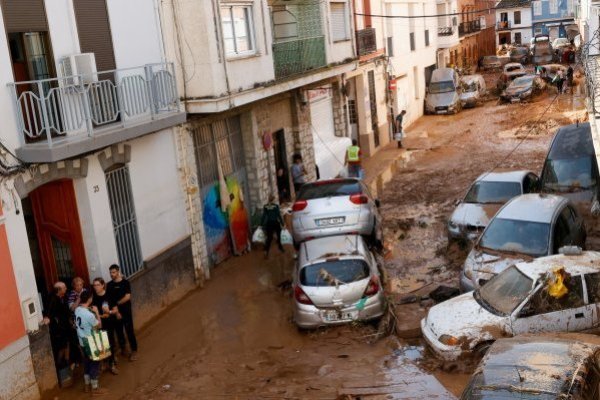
58	317
272	224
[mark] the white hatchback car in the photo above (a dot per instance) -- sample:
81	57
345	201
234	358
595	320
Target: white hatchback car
517	301
336	280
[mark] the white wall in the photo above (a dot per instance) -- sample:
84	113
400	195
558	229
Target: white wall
63	28
525	16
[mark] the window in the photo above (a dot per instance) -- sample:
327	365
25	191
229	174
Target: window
124	221
504	17
339	21
285	24
390	46
237	30
518	37
517	17
412	41
537	7
426	37
553	4
352	116
542	302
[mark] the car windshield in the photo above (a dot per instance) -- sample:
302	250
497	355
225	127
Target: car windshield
334	273
569	174
320	189
479	389
504	292
469	87
492	192
441	87
522	81
517	236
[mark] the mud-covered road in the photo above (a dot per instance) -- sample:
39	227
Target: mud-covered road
234	338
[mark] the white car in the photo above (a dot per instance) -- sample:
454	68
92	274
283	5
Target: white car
517	301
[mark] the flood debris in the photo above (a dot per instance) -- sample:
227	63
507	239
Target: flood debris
443	293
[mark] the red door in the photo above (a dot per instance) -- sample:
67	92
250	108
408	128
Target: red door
59	233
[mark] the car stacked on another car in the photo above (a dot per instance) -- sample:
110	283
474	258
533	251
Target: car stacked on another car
521	299
520	55
511	72
528	226
484	198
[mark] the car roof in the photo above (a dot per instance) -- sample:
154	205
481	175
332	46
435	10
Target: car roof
513	64
331	246
506	176
534	207
586	262
471	78
572	141
545	363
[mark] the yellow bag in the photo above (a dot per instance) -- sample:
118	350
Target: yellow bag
557	289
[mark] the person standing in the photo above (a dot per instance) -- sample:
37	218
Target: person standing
106	311
570	77
272	224
86	321
353	155
559	80
298	173
398	132
58	317
119	291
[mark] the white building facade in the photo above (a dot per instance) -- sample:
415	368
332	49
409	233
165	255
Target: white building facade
513	22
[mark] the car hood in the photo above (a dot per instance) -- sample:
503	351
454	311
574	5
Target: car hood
441	99
513	90
481	261
463	318
474	214
469	95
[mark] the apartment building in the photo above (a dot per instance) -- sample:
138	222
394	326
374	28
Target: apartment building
89	105
554	18
475	31
513	22
448	41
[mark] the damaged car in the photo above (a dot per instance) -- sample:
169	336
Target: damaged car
473	90
523	88
336	280
511	72
549	366
559	293
484	198
526	227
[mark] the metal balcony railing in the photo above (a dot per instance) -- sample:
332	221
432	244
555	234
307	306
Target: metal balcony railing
469	27
500	25
366	41
297	56
82	105
445	31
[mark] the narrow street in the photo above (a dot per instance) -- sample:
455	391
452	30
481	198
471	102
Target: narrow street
234	338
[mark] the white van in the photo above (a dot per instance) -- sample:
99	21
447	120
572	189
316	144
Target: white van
443	92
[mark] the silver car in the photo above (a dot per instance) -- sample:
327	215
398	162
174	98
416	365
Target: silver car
335	207
336	281
527	227
484	198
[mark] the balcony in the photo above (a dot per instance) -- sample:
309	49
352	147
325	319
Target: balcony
445	31
366	41
65	117
294	57
467	27
502	25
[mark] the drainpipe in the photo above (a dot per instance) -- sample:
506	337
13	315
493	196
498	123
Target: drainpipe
221	49
161	43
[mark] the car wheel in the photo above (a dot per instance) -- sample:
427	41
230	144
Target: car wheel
482	348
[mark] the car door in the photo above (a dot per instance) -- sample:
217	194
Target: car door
545	313
592	286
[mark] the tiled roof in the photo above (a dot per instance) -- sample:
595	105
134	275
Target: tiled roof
513	3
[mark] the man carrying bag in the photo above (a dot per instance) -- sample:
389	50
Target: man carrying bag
93	342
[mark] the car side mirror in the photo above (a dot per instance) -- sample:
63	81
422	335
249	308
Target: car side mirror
377	203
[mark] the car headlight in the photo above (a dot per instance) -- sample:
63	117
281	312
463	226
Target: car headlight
448	340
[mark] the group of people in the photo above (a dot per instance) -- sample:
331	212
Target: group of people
74	316
559	78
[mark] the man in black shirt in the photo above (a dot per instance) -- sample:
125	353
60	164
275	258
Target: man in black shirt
119	290
272	224
58	316
106	311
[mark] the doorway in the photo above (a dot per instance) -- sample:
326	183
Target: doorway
281	166
54	233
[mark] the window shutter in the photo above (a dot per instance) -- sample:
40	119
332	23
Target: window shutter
338	21
24	16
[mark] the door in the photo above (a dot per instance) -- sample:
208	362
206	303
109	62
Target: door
59	233
281	166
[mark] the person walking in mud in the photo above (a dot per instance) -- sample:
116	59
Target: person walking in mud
119	291
570	78
353	160
272	224
398	132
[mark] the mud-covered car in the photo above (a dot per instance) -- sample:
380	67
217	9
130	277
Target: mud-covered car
473	90
336	281
519	55
528	226
510	72
548	366
523	88
493	62
552	70
484	198
524	298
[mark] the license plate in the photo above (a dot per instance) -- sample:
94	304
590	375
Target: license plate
334	315
330	221
442	112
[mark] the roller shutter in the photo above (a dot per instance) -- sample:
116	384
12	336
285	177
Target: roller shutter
24	16
93	27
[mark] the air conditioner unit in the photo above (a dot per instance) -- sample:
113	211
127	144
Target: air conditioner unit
78	68
30	314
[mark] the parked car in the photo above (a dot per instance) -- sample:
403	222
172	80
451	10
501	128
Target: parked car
552	69
550	366
523	88
336	207
494	62
336	280
443	92
510	72
570	169
484	198
541	49
520	55
473	90
528	226
521	299
560	42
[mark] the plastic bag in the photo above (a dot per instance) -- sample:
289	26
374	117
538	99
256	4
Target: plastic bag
259	236
286	237
557	288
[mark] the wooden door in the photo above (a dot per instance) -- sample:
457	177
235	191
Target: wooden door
59	233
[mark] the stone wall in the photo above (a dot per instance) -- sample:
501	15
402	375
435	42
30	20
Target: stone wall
302	133
339	111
